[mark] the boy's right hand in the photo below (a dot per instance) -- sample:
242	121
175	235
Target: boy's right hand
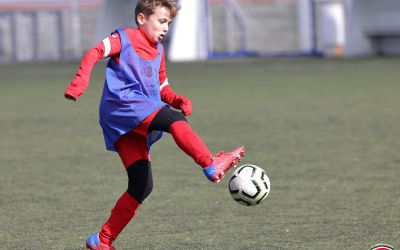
74	90
69	97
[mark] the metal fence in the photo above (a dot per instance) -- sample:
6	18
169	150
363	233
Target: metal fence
49	31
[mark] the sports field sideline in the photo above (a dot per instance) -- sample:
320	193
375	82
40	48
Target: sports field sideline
326	131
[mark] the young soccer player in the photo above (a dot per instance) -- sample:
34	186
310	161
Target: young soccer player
134	110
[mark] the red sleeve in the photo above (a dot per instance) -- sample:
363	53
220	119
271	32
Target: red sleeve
168	95
114	42
163	71
109	47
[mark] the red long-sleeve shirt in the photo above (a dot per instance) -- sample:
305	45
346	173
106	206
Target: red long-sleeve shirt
111	47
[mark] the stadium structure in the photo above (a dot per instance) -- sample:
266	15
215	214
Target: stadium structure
52	30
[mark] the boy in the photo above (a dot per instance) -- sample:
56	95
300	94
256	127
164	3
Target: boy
134	110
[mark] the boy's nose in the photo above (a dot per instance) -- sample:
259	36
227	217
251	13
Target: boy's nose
165	28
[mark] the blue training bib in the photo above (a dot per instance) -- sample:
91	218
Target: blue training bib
131	93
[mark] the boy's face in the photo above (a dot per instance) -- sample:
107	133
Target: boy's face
156	25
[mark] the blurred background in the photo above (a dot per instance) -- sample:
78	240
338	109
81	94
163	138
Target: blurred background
310	87
53	30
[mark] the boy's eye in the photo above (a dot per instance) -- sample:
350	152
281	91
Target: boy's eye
162	21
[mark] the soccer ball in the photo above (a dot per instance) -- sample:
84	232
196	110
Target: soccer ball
249	185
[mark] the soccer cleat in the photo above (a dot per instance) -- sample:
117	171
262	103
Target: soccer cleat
222	162
94	243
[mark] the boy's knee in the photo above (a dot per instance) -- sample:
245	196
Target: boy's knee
165	117
140	180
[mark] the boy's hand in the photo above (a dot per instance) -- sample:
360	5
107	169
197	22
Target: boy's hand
69	97
75	89
72	92
185	105
169	96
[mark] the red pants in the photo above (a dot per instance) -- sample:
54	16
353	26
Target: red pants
132	146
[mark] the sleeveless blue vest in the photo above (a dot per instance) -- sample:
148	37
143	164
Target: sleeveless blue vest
131	93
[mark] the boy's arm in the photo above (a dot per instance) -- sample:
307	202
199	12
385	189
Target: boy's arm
168	95
110	46
81	80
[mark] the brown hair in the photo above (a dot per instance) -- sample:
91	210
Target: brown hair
147	7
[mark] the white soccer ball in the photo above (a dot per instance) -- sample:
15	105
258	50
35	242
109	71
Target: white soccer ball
249	185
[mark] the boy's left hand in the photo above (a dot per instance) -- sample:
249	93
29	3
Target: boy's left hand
169	96
185	105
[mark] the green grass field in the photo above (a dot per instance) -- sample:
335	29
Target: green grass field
326	131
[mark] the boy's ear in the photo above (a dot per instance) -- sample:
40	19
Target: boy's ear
140	18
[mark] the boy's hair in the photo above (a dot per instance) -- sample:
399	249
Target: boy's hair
147	7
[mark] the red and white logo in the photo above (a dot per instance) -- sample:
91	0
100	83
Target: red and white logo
382	247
